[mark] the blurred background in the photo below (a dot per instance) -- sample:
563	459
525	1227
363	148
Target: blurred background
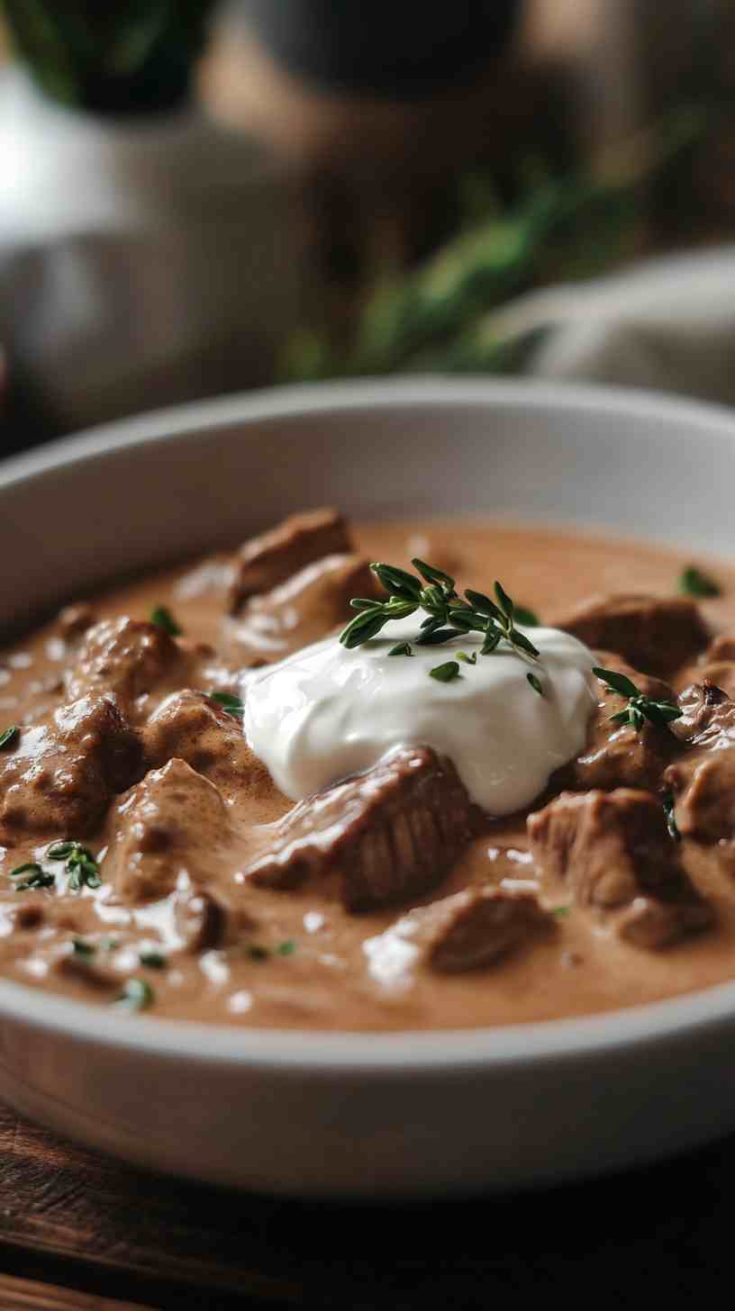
198	198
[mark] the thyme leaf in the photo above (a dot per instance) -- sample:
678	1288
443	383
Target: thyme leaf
161	616
81	865
135	995
233	705
536	684
694	582
640	707
38	877
9	736
445	673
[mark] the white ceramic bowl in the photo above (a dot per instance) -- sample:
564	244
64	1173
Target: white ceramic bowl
379	1115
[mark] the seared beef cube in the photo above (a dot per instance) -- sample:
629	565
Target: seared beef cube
703	780
388	834
708	716
192	727
264	562
721	648
609	847
308	606
471	930
169	827
617	755
703	784
654	924
652	633
63	773
123	657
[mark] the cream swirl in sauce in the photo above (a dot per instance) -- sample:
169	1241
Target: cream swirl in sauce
327	712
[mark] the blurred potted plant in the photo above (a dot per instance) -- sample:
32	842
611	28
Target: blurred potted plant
146	255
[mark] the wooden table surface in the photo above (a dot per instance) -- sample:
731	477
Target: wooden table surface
79	1232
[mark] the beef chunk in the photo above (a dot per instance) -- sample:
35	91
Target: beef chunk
306	607
264	562
388	834
708	716
721	648
64	772
617	755
195	729
655	925
470	930
168	829
613	848
652	633
123	657
74	620
703	780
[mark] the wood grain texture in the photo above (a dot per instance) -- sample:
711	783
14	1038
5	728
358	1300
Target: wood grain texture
655	1234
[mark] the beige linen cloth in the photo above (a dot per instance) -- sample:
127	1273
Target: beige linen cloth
667	324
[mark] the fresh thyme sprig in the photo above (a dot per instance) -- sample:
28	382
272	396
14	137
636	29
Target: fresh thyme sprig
448	614
640	707
81	865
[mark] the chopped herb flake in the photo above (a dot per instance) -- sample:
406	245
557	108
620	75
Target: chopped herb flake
445	673
286	948
694	582
161	616
560	911
80	947
153	960
9	737
135	995
38	877
401	648
639	708
255	951
233	705
536	684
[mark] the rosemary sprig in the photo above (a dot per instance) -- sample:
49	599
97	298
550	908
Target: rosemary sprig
448	615
81	865
640	707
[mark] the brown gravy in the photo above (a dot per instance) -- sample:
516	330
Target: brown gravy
301	962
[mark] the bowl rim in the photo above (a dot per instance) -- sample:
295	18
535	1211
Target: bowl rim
710	1011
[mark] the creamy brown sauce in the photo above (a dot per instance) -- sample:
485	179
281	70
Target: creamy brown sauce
299	961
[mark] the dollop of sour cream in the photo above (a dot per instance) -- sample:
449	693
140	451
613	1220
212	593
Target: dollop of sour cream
327	712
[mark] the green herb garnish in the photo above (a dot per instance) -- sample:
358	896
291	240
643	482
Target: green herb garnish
152	959
448	615
693	582
233	705
445	673
401	648
9	736
255	951
527	617
82	948
670	813
135	995
286	948
536	684
38	877
560	911
639	708
81	865
467	659
163	618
